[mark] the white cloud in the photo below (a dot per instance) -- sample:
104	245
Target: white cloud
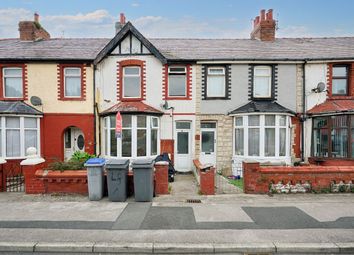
135	4
9	21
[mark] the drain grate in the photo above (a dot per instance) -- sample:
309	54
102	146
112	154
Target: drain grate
195	201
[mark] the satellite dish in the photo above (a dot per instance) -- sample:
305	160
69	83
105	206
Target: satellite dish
165	105
320	87
36	101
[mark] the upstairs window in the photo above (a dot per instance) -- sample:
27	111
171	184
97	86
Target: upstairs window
132	82
13	82
72	82
340	80
177	81
216	82
262	82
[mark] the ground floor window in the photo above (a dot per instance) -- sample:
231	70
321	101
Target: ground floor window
262	135
17	134
140	136
333	136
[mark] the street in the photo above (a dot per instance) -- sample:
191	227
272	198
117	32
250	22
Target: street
255	220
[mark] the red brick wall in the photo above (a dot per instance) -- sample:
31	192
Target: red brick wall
63	182
297	140
257	179
167	145
207	182
161	179
53	127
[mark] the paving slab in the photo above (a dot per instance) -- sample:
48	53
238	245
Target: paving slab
245	248
61	211
17	246
219	213
185	248
307	248
135	248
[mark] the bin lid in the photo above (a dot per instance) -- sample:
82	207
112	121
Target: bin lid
95	162
117	163
143	163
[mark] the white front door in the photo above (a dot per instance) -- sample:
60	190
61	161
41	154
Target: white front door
208	143
73	141
183	138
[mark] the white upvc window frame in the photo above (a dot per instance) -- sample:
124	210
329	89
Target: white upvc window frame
262	128
184	72
222	75
22	135
134	128
4	76
268	68
131	75
72	76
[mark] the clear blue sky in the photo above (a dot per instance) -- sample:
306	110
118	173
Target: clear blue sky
180	18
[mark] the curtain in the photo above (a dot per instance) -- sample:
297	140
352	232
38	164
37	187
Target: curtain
253	141
269	142
177	85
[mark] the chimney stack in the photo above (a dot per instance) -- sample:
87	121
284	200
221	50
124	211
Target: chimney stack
32	30
264	27
120	24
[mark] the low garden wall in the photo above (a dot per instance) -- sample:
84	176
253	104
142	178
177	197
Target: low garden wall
279	179
68	181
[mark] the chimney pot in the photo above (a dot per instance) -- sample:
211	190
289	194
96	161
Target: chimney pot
36	17
270	14
262	15
122	18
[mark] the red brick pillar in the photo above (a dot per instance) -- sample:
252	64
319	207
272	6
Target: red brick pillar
251	177
2	181
33	185
161	178
207	182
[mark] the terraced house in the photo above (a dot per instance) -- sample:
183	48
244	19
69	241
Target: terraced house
274	100
47	96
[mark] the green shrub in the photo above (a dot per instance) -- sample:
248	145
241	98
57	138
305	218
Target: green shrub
81	156
76	162
66	165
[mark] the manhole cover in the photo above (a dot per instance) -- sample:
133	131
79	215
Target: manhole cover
193	201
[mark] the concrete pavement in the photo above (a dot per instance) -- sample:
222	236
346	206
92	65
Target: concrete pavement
283	222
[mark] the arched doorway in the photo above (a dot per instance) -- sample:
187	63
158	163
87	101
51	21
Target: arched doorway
74	140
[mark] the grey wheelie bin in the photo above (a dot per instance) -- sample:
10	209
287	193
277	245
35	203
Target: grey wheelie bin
117	179
143	170
95	178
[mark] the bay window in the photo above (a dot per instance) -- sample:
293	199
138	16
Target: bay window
261	136
333	136
12	82
140	136
17	134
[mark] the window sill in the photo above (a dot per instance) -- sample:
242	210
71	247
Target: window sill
12	99
336	97
123	99
72	99
178	98
216	98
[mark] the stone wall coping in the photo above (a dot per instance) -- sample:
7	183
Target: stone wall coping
161	163
2	161
306	169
